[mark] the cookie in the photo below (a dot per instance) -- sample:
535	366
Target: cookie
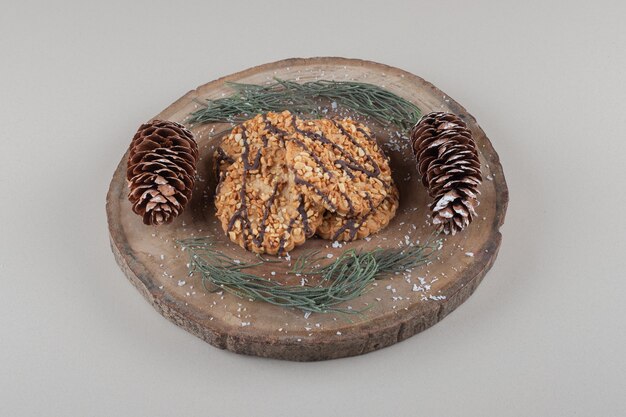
257	201
340	162
342	228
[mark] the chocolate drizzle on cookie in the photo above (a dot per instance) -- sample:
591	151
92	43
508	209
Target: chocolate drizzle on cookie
375	172
258	240
308	232
242	213
305	223
302	181
353	224
221	157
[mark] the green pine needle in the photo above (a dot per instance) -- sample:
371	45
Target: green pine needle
344	279
306	98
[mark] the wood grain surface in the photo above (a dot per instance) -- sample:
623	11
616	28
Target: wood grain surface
398	306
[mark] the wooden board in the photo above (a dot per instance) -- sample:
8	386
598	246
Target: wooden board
399	306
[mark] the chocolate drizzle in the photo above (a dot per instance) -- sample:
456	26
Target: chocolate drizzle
268	206
364	133
351	223
221	157
308	232
376	169
257	159
283	240
276	131
242	213
302	181
305	222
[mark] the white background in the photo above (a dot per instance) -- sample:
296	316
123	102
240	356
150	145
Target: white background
544	335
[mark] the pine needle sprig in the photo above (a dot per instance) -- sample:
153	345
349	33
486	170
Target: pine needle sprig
306	98
344	279
390	260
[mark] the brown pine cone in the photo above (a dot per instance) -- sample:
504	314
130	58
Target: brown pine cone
447	160
161	170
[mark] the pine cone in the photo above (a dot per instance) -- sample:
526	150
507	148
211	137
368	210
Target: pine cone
447	160
161	170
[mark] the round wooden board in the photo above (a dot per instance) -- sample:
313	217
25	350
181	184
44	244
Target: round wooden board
399	306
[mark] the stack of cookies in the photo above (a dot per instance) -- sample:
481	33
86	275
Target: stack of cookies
283	179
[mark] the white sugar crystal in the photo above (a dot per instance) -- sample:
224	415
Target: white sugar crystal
181	282
437	297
